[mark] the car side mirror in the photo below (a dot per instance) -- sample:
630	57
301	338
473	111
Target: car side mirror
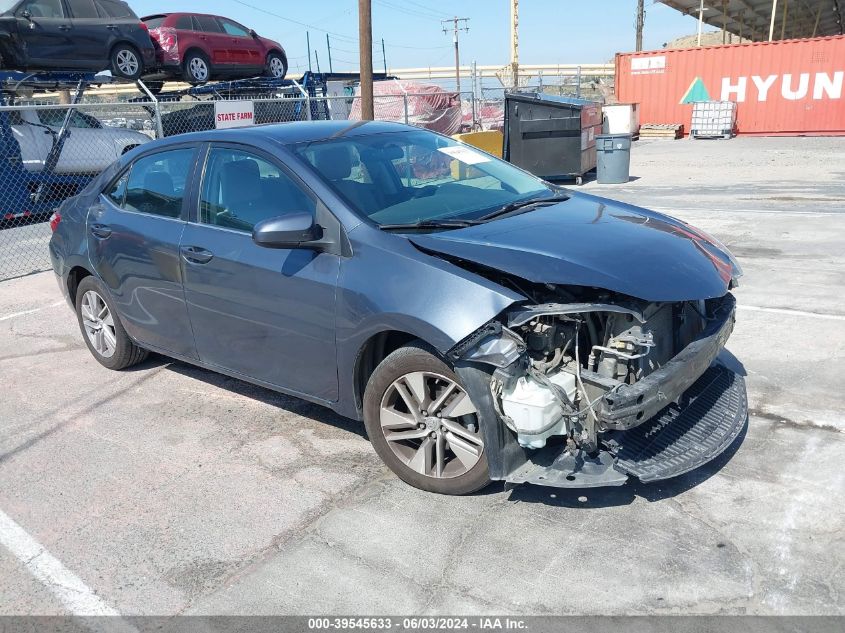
294	230
26	15
253	33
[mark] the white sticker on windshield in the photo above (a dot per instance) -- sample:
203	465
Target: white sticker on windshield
465	154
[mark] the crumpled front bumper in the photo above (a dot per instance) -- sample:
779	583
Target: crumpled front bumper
708	419
631	405
674	420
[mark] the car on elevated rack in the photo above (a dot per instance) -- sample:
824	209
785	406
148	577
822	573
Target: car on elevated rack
88	148
89	35
197	47
484	324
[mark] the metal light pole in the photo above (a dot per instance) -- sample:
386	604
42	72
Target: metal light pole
515	43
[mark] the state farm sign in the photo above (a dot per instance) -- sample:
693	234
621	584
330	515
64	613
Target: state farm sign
233	114
783	87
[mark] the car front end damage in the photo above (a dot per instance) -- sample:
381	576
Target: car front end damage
591	387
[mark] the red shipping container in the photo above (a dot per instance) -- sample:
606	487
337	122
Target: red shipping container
789	87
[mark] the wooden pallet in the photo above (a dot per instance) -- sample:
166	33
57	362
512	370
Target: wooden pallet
662	130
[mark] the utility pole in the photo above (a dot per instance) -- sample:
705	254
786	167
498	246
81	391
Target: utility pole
365	57
383	56
701	19
329	49
515	43
455	29
317	57
640	24
308	46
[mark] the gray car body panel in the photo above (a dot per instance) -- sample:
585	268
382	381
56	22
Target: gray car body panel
384	285
596	242
389	282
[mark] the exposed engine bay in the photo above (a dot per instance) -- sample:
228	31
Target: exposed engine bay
581	362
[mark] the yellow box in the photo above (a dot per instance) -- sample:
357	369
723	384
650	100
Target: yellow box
490	141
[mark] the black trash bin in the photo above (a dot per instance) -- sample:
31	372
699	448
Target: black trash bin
552	137
613	158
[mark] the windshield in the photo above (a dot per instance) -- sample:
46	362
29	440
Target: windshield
7	5
418	176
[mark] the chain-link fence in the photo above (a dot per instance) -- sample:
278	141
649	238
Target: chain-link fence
50	151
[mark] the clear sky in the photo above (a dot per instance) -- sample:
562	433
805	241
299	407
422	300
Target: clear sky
550	31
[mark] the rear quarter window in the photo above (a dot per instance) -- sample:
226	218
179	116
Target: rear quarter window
115	9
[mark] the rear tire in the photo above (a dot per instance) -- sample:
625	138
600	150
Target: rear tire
276	66
101	327
126	62
423	424
196	69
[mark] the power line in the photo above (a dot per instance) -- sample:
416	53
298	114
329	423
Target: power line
413	12
422	6
349	39
286	19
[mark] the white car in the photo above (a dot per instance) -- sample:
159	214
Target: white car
88	148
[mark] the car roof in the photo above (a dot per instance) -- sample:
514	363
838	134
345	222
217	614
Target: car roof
181	13
289	133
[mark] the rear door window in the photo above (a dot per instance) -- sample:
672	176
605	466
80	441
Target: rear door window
185	23
83	9
117	191
207	24
157	182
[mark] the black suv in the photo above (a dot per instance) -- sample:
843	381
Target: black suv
91	35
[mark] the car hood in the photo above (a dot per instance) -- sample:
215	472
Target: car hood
591	241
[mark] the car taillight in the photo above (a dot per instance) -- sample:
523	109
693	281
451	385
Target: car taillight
145	27
167	39
54	220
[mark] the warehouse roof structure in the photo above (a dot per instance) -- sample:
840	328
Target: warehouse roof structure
761	20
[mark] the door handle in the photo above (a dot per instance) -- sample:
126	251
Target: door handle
196	254
64	27
100	230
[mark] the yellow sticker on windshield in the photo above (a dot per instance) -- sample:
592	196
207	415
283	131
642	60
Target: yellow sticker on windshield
465	154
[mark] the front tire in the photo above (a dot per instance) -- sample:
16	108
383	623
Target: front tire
276	66
423	423
196	68
126	62
101	328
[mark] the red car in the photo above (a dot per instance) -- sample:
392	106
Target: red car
198	47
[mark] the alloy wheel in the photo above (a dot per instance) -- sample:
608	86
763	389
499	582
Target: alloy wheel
98	322
277	67
127	62
198	68
430	424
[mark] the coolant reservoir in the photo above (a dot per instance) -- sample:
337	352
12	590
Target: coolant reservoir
533	407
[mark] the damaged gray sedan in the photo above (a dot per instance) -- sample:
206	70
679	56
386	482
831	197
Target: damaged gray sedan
484	324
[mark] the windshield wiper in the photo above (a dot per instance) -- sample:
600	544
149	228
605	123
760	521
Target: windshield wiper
430	224
522	204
